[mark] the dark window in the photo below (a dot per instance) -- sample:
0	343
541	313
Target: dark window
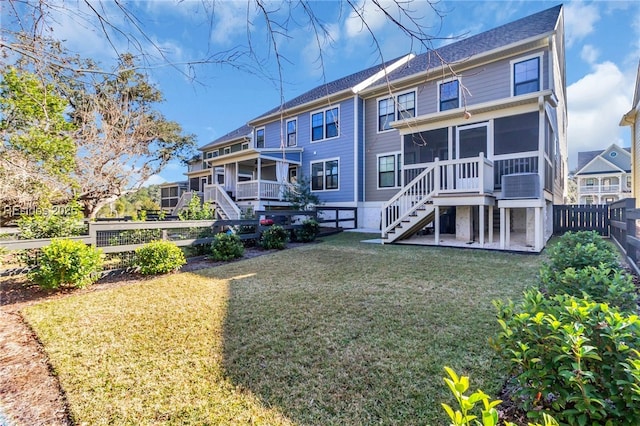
291	132
324	175
332	123
526	76
406	105
389	171
424	147
386	114
449	95
164	193
317	126
260	138
518	133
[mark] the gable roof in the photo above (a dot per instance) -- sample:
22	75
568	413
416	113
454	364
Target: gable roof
590	162
242	132
531	26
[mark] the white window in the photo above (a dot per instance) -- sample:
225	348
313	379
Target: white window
526	75
227	150
325	124
260	138
394	108
389	170
448	95
325	175
292	132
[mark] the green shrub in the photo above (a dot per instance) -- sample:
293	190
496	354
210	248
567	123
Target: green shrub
274	238
602	284
159	257
476	403
579	250
308	232
573	358
195	210
56	222
67	263
227	246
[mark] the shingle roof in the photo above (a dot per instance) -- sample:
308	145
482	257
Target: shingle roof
522	29
244	130
586	156
331	88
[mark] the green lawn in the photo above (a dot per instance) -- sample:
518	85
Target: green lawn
338	332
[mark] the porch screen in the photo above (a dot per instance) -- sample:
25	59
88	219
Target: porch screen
518	133
424	147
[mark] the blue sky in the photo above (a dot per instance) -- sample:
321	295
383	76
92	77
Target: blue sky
602	40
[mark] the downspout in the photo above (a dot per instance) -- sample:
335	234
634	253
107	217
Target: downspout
356	151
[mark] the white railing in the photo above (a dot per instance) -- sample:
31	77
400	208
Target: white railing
598	189
217	195
465	175
473	175
408	199
256	190
183	201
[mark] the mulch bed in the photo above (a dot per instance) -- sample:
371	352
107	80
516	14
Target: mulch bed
30	394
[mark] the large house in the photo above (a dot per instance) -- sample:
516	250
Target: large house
462	145
603	176
632	119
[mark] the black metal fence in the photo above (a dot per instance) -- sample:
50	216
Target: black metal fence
625	229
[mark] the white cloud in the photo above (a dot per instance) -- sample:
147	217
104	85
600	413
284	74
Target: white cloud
230	20
596	104
368	12
154	180
579	20
589	54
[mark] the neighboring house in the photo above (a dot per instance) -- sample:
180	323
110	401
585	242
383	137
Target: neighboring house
632	119
604	176
453	140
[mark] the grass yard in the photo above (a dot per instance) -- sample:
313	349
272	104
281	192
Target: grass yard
338	332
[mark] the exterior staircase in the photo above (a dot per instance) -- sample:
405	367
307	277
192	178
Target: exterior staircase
225	207
411	209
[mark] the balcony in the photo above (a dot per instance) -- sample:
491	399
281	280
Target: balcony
600	189
260	190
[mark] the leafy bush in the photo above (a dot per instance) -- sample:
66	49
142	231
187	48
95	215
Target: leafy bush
227	246
579	250
274	238
56	222
159	257
67	263
573	358
308	232
196	210
467	403
602	284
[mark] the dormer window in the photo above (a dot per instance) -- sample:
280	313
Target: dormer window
526	76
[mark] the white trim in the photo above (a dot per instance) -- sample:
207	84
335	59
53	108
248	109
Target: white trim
324	123
356	133
323	161
485	124
444	81
377	76
395	170
513	62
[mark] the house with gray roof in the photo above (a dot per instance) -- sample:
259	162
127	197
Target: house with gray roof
604	176
430	149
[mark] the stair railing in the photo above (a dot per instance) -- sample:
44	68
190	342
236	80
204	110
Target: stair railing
227	208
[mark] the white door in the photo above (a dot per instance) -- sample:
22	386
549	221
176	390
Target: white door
470	142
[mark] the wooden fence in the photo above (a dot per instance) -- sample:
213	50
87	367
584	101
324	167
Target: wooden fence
625	230
591	217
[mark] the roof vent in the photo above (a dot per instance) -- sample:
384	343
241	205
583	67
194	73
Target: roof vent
520	185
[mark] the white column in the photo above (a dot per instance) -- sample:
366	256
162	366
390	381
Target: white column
436	226
490	224
481	208
259	174
507	227
503	238
539	234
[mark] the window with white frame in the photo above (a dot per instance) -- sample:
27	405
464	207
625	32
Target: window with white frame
395	108
526	76
449	95
325	175
324	124
260	138
389	170
292	131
